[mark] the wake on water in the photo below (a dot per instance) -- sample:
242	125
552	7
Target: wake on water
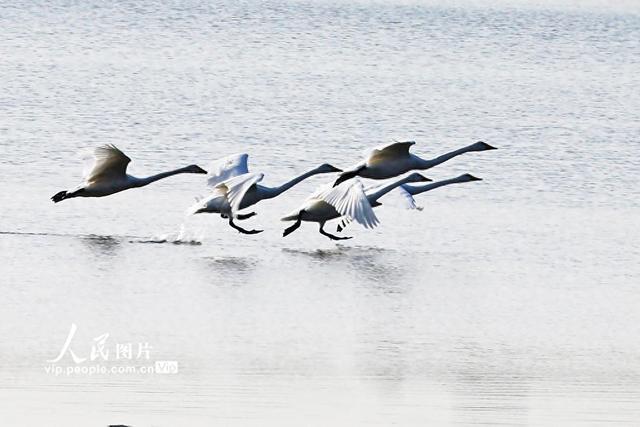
180	237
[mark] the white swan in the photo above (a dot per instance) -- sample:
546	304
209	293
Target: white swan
109	175
349	200
394	159
408	191
235	189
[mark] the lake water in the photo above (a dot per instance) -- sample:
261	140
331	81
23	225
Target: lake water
509	301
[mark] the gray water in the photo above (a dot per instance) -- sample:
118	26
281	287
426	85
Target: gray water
509	301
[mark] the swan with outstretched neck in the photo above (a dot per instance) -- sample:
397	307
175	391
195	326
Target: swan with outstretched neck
395	159
234	189
409	190
418	189
349	200
109	176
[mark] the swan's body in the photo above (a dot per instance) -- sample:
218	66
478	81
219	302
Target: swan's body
349	200
108	175
394	159
234	188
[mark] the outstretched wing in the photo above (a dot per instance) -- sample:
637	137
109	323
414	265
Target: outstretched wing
321	191
389	152
398	193
409	201
398	196
226	168
350	200
237	187
109	163
215	201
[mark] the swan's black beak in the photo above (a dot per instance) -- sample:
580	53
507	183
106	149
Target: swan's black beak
417	177
332	168
198	169
484	146
471	177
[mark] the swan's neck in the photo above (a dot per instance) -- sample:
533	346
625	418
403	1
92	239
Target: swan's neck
427	164
270	192
140	182
417	189
376	194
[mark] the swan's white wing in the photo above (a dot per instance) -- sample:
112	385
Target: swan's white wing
237	187
88	161
321	191
110	163
226	168
350	200
397	196
214	202
389	152
409	201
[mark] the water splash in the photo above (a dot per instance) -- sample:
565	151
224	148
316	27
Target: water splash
182	237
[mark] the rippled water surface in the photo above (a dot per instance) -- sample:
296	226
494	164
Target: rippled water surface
511	301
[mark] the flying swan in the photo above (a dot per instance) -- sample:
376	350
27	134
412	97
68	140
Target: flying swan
234	188
408	191
347	200
394	159
109	175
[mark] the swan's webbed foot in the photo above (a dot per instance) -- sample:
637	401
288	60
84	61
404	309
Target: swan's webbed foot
343	224
242	217
58	197
63	195
242	230
293	228
331	236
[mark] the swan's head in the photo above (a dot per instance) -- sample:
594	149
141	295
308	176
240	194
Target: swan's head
482	146
467	177
194	169
416	177
327	168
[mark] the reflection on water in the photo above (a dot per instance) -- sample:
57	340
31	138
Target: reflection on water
173	242
229	266
405	350
101	245
379	268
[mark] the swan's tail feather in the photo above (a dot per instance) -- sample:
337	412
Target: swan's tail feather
291	217
60	196
196	208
